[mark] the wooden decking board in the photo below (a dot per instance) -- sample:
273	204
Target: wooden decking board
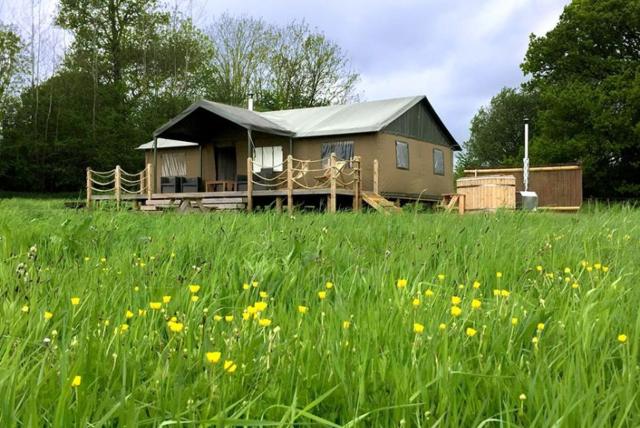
379	203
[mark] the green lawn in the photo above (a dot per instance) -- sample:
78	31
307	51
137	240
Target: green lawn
542	348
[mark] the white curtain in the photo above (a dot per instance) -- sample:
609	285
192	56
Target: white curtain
174	165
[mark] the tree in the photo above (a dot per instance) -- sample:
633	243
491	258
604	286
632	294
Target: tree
12	63
586	72
497	131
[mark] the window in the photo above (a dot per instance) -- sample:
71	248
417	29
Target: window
402	155
268	158
438	162
342	149
174	164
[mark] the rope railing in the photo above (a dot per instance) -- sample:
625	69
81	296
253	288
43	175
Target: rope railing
119	181
299	174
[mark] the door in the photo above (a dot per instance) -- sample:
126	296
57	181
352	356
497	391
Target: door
225	163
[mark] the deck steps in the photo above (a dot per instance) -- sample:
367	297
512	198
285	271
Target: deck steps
204	204
380	203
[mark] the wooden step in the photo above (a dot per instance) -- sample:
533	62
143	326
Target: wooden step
148	208
379	203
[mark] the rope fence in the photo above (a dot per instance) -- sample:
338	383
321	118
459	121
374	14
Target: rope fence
117	182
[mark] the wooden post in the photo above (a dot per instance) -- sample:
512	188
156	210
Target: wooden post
333	202
290	184
279	204
356	184
376	188
149	183
117	185
461	201
249	184
89	190
142	177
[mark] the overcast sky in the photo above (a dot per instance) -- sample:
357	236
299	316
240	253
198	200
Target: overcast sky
457	52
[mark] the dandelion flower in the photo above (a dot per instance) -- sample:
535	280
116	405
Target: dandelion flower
346	324
442	326
455	300
213	357
166	299
260	306
25	309
475	304
622	338
128	314
228	318
418	328
48	315
514	321
230	366
476	284
75	301
428	293
303	309
155	305
471	331
401	283
194	288
456	311
415	302
540	326
77	380
322	295
264	322
329	285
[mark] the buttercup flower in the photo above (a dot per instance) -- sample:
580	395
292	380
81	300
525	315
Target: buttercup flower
75	301
471	331
401	283
418	328
77	380
456	311
213	357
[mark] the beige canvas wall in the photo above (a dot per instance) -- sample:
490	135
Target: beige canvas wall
192	157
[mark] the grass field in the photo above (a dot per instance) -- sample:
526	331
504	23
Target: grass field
347	320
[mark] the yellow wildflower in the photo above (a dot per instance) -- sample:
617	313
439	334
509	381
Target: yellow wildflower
415	302
455	300
86	259
522	397
496	292
194	288
195	298
260	306
48	315
255	284
230	366
106	323
584	263
264	322
228	318
428	293
597	266
567	270
128	314
175	327
142	312
589	268
346	324
441	276
505	293
77	380
166	299
575	285
25	309
534	340
476	284
418	328
540	326
539	268
471	331
442	326
303	309
401	283
251	310
605	269
246	315
245	286
75	301
124	328
498	274
155	305
264	294
622	338
322	295
456	311
514	321
213	357
329	285
217	317
475	304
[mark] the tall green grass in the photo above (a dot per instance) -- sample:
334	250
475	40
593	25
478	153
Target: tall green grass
307	369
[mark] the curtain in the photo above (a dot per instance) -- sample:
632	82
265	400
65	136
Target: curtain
174	165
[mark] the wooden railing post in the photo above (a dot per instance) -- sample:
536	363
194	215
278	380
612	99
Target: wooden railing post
249	184
89	190
290	184
142	178
333	202
376	188
117	185
356	184
149	181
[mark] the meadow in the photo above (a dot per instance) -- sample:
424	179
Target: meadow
511	319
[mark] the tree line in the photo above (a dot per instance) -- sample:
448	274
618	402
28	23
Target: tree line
133	65
582	97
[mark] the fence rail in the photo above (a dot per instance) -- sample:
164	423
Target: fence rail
119	183
308	175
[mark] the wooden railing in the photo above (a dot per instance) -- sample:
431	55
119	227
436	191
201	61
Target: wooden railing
309	175
118	182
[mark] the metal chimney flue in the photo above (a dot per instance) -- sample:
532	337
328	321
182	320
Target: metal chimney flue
250	102
526	199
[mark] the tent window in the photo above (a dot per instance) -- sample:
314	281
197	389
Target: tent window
402	155
342	149
438	162
268	158
174	164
